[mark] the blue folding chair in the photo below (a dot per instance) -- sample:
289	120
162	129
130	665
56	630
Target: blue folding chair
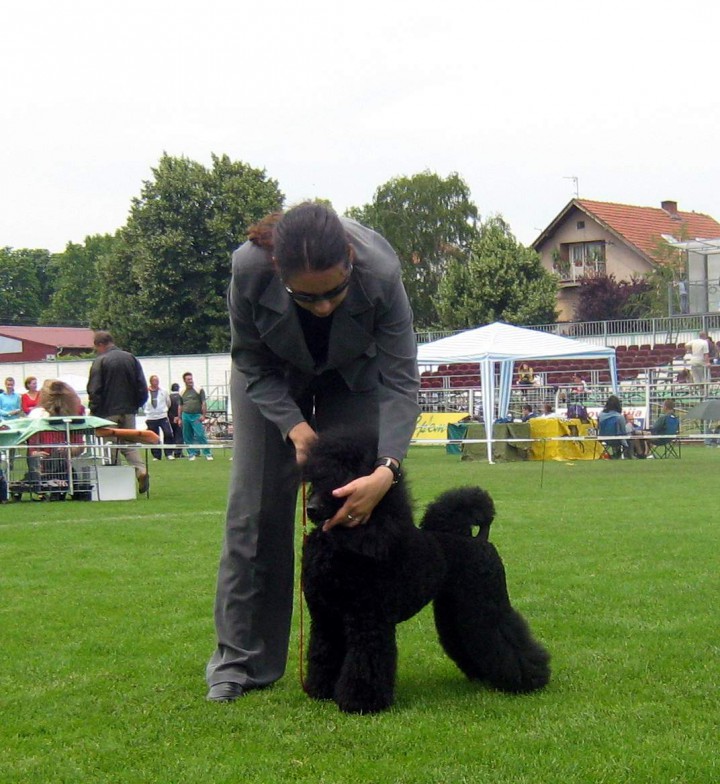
667	444
613	426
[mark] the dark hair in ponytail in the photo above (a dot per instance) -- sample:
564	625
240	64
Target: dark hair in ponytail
307	237
261	233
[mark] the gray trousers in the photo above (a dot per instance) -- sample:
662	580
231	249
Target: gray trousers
253	604
131	454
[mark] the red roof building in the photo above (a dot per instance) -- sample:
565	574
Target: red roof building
622	240
32	344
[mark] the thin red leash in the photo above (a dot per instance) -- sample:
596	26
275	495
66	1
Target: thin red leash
301	652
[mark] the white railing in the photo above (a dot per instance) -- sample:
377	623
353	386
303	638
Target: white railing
667	329
648	395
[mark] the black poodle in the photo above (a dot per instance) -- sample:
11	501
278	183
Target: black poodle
361	582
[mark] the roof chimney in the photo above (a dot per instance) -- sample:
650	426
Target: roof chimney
670	207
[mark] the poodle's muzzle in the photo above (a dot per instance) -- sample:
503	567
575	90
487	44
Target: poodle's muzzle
319	508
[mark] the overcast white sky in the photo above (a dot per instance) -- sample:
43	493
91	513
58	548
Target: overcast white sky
335	98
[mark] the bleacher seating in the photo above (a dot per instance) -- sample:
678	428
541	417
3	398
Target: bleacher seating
632	361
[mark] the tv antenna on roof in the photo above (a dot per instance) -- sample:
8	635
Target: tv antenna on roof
577	185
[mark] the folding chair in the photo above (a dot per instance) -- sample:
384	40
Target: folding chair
669	446
614	448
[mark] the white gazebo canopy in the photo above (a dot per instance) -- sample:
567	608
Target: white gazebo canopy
506	344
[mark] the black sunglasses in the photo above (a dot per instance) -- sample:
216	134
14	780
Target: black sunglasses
300	296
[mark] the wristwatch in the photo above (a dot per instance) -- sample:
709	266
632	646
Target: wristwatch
388	462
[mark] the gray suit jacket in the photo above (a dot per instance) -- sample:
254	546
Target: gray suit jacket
372	343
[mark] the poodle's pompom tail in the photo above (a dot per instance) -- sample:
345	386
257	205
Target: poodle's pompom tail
459	511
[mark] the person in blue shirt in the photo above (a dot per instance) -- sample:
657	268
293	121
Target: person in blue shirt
667	424
10	405
611	422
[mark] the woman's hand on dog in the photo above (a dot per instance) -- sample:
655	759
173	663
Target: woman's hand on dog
362	496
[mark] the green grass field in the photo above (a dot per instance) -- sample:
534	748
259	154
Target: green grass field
106	625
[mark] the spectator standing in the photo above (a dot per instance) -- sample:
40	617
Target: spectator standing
117	389
698	356
578	391
175	420
682	288
10	404
30	398
156	416
193	409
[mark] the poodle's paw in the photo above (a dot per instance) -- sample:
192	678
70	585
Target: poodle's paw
536	671
318	690
364	695
321	681
527	671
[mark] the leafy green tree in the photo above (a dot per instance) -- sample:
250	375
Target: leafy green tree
74	274
501	281
24	284
164	284
429	221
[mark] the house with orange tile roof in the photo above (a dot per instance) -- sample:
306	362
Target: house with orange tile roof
590	237
31	344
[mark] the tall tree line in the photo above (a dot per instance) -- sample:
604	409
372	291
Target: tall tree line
159	282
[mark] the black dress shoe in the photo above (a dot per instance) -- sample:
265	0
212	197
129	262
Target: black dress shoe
143	483
225	692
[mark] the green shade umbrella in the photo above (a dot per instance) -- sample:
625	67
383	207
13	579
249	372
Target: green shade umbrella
17	431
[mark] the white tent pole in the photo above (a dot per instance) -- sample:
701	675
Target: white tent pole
507	370
612	362
487	378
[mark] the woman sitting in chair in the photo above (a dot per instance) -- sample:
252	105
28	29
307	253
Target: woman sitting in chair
611	422
46	457
525	375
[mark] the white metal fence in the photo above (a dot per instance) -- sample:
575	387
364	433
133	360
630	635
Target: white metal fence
210	371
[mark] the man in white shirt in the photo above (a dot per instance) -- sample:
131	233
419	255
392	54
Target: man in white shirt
156	416
698	353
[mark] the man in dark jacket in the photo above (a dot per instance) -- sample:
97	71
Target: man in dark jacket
175	421
117	389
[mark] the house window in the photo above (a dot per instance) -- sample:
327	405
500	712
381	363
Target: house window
585	258
580	224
